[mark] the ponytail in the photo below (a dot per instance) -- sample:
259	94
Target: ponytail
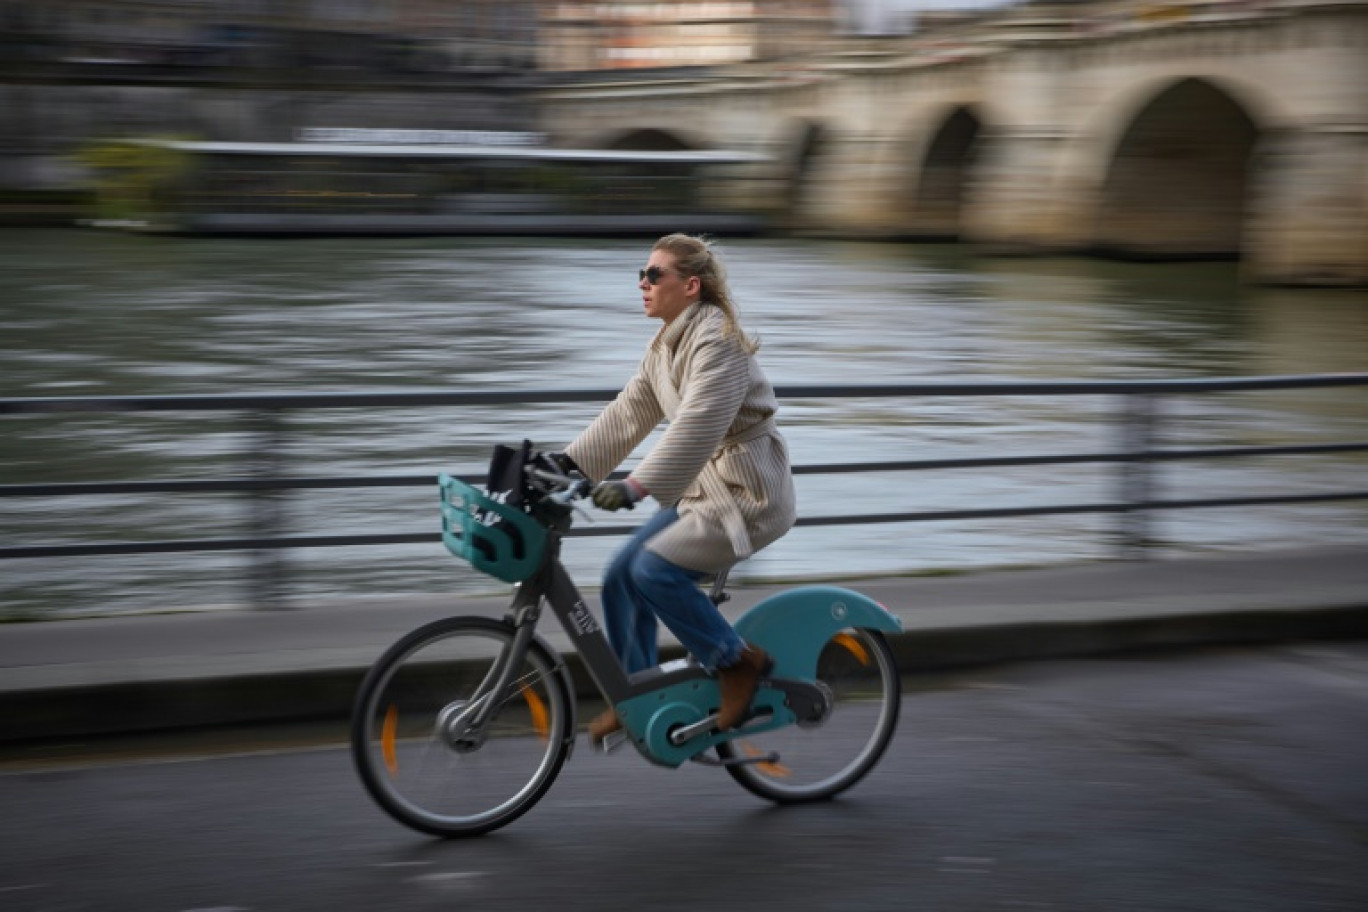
694	256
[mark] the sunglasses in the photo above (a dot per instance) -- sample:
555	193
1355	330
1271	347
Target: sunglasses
652	274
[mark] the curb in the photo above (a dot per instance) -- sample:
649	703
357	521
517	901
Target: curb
148	707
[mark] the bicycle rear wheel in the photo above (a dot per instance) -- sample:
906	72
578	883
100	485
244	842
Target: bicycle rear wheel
819	760
421	760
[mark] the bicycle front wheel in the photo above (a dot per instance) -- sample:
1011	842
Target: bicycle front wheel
818	760
416	743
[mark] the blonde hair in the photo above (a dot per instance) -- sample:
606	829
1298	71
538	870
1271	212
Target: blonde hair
695	256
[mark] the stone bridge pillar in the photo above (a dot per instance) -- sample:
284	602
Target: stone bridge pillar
837	194
1310	225
1015	202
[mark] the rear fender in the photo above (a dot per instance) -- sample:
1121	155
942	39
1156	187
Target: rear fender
794	625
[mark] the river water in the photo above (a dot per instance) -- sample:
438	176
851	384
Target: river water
89	313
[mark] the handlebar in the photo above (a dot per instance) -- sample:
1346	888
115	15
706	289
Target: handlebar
561	489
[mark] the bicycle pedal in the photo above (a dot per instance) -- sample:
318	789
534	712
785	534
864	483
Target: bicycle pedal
770	757
612	741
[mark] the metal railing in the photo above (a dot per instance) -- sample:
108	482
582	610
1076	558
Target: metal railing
1138	419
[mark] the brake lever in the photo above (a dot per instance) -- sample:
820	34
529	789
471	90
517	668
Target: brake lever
573	489
561	481
575	494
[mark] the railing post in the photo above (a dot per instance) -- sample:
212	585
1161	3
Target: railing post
1140	417
266	516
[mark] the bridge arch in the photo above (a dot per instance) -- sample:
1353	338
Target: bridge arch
942	157
649	139
1176	179
802	146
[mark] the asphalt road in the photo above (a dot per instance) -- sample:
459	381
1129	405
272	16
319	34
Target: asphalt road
1200	781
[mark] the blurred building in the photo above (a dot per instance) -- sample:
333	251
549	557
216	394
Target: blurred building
384	35
417	35
589	35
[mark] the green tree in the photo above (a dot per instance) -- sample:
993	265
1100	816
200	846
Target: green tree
134	179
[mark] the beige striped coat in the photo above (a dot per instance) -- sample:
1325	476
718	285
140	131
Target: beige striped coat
721	460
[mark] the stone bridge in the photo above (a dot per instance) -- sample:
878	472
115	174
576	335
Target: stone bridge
1218	129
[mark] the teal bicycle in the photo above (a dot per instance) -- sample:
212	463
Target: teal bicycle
462	725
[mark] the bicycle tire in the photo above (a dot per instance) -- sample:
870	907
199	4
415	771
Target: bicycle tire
428	772
858	665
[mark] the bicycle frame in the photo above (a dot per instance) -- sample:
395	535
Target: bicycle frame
553	584
669	712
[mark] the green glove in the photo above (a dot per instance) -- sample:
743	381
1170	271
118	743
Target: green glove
617	495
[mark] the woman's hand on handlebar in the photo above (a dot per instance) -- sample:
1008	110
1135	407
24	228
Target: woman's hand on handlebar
618	495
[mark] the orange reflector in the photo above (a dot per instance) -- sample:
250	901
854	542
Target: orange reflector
541	719
387	739
853	646
777	770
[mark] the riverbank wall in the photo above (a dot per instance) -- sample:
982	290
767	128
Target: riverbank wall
169	672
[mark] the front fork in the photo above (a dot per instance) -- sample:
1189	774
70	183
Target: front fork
464	724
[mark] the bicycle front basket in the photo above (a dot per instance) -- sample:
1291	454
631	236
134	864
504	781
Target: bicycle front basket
497	539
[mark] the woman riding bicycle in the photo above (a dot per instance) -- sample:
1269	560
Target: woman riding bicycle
720	474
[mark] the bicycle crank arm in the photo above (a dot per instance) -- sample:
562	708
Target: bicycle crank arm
704	726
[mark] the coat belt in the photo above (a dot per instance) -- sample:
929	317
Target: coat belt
755	431
733	523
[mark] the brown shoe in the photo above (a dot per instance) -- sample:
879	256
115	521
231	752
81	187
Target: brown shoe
738	684
603	725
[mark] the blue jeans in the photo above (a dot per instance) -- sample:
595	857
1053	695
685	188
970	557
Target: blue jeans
640	586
